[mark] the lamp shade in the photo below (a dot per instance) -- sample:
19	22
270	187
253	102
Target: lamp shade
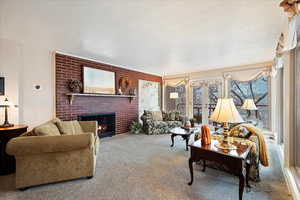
226	111
174	95
249	105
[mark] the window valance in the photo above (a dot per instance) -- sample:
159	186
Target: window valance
291	7
292	35
248	75
201	83
175	82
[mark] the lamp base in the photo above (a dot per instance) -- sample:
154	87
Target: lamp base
225	145
6	125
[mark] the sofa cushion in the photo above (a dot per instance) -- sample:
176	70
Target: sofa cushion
157	115
172	116
69	127
177	116
173	124
47	129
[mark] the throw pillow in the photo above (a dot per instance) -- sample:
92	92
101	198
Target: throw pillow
235	133
172	116
177	116
69	127
165	116
47	129
243	132
157	115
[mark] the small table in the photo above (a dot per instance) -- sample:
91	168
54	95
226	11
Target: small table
185	134
7	162
236	160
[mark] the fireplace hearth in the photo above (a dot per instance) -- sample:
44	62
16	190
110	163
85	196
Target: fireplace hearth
106	123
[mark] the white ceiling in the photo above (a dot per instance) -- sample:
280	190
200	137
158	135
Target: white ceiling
157	36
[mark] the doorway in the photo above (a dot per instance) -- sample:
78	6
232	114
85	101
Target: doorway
205	98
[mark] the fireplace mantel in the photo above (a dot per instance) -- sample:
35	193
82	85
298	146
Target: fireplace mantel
73	95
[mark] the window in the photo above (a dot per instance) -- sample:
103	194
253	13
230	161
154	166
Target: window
179	103
258	90
205	98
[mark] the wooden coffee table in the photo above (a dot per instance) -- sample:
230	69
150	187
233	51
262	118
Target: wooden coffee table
185	134
235	160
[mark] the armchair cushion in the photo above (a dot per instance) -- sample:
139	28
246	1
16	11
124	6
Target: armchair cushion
69	127
47	129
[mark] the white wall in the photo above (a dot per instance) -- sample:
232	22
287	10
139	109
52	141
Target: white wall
10	67
156	36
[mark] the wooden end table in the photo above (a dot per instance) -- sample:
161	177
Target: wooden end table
184	133
7	162
235	160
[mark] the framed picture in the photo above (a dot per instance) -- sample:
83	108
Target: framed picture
98	81
2	86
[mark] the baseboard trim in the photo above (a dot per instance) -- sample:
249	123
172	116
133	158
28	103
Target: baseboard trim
289	176
290	179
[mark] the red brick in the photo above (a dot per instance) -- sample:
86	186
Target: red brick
71	67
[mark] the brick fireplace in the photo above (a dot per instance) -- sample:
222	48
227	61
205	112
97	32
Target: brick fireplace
70	67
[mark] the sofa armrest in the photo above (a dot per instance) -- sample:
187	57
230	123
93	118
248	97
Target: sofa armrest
47	144
89	126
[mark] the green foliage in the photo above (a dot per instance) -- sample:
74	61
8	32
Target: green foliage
135	127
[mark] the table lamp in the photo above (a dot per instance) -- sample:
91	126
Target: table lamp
249	105
6	104
226	112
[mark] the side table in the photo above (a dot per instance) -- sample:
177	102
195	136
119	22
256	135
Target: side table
7	162
235	160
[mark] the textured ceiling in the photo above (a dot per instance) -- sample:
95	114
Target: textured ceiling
158	36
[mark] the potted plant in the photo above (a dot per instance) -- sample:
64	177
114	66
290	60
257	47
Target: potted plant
135	127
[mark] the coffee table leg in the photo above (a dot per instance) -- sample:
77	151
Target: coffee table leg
191	171
241	186
187	142
172	138
204	166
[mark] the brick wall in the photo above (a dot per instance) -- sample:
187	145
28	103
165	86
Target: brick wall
68	67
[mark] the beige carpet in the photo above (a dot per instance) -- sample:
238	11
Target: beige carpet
141	167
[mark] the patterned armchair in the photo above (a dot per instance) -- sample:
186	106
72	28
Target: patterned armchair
159	122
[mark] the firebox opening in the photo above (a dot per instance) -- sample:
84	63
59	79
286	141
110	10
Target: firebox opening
106	122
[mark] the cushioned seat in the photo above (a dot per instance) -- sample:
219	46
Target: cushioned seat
158	122
52	153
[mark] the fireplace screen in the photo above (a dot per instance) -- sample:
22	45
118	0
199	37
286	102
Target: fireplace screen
106	123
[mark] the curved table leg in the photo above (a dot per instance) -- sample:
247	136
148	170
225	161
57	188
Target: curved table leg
187	142
191	171
241	186
204	166
247	174
172	138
